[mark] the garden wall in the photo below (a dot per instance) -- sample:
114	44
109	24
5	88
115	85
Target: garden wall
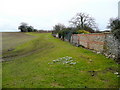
101	42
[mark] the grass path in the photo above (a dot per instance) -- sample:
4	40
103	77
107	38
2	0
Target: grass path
34	71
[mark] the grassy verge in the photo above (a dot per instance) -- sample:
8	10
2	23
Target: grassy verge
35	68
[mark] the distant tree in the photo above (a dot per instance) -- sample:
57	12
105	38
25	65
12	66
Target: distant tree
35	30
23	27
30	29
114	25
58	28
83	21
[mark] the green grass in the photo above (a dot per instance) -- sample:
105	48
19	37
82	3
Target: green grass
30	68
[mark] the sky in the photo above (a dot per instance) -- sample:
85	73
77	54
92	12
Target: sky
44	14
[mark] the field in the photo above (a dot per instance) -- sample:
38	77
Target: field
40	63
12	39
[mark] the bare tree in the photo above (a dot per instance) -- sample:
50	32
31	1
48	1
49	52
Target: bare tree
83	21
58	27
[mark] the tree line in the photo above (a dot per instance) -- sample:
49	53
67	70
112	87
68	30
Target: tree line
80	23
84	23
25	28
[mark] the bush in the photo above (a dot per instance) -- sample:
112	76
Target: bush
81	32
116	33
114	25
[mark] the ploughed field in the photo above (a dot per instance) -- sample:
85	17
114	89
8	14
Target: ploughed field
38	60
12	39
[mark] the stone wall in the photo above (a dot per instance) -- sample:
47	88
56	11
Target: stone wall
100	42
112	46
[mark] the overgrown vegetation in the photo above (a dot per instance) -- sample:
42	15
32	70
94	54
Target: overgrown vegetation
114	25
81	23
81	32
30	67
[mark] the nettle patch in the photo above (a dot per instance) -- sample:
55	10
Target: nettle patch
64	60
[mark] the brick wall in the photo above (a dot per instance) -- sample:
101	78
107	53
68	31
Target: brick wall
102	42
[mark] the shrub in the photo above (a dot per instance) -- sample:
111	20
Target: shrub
114	25
81	32
116	33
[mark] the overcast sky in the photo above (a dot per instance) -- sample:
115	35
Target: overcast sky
44	14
